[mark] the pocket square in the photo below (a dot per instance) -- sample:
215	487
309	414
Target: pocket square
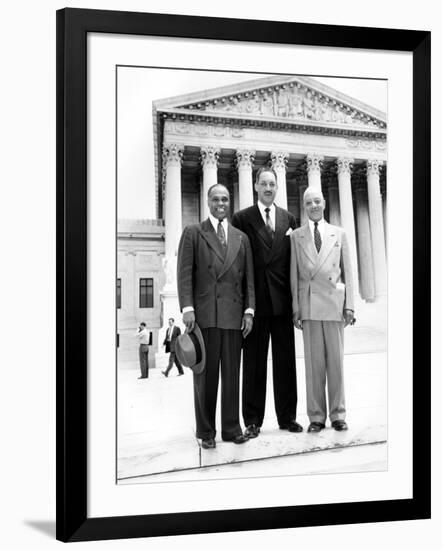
289	231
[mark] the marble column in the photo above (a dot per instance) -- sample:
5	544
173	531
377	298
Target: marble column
302	187
209	161
235	205
347	214
172	157
279	161
244	162
314	162
377	227
366	276
333	203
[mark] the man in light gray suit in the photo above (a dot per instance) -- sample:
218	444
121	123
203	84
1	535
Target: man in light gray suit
322	292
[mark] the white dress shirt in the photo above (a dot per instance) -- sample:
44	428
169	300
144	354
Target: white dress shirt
272	213
215	223
143	336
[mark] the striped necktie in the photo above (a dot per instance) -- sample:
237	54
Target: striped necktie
317	235
221	234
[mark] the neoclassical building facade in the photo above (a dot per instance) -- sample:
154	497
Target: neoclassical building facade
311	134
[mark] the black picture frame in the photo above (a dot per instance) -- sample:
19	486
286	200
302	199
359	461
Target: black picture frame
73	25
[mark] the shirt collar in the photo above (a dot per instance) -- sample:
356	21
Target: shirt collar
262	207
214	221
312	224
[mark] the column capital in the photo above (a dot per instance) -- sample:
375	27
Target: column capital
279	160
314	162
245	158
373	167
344	165
172	154
209	156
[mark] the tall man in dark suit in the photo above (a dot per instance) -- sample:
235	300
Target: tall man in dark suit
171	335
215	289
268	228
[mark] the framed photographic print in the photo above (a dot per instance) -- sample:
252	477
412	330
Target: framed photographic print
160	119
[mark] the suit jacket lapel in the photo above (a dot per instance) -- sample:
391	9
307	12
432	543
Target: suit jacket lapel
209	235
328	242
260	227
233	245
307	244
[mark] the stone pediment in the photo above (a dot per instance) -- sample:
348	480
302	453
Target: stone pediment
279	99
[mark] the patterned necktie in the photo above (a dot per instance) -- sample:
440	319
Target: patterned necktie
269	225
317	235
221	234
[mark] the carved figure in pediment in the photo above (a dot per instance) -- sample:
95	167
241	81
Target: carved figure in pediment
267	105
295	105
283	103
337	115
308	105
252	105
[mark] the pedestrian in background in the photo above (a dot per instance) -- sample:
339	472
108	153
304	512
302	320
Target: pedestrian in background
171	335
144	340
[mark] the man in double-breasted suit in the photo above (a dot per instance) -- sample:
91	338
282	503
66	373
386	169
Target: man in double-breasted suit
172	334
268	228
322	290
215	290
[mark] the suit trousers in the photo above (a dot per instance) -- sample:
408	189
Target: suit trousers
143	354
174	359
223	347
324	361
256	345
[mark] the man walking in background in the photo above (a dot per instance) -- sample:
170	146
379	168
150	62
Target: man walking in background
268	228
322	289
171	335
144	340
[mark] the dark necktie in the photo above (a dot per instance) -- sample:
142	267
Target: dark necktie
317	236
221	234
269	225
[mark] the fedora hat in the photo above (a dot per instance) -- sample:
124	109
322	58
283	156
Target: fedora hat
190	350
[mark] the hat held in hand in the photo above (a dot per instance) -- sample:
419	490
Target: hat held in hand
190	350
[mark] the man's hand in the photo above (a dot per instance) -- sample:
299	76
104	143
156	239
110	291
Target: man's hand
296	320
189	320
348	317
246	324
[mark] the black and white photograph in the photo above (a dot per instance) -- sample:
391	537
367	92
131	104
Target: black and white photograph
251	274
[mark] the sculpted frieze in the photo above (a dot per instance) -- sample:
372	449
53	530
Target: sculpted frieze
293	101
366	144
198	129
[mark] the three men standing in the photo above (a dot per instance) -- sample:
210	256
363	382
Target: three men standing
268	228
216	290
322	290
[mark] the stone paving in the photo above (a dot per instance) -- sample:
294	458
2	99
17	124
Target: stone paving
156	422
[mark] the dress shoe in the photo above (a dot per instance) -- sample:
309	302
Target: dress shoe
140	377
166	374
240	438
208	443
291	426
339	425
316	427
180	373
252	431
